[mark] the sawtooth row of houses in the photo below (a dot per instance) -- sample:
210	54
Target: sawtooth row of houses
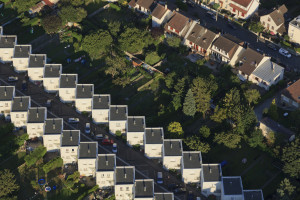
252	65
85	154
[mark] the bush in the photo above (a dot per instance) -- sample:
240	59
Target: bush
136	147
53	164
114	6
37	154
174	41
152	58
118	134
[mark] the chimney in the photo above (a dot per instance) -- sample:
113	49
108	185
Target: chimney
272	66
145	188
5	93
166	6
210	171
37	113
125	175
134	121
177	9
152	132
89	151
51	68
190	156
106	162
20	49
6	39
71	136
35	59
53	124
67	78
82	88
21	103
117	110
171	145
99	99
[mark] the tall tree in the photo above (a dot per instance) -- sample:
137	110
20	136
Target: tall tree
96	44
286	189
175	130
52	23
8	183
189	105
169	79
194	143
23	6
174	41
114	28
257	139
202	95
204	131
291	158
252	96
272	111
178	93
116	65
230	139
72	14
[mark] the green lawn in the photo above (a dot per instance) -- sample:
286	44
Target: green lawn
93	5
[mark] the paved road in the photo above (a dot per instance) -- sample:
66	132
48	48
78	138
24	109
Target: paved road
145	168
240	33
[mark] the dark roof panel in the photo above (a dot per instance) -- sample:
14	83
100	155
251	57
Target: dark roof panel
144	188
20	104
211	172
52	70
84	91
70	138
7	93
136	124
249	60
37	60
118	113
232	185
37	115
201	36
106	162
293	91
164	196
192	160
101	101
53	126
253	195
68	81
172	147
8	41
154	136
178	21
159	11
88	150
125	175
22	51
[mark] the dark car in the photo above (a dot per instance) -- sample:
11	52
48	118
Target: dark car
190	196
211	15
232	25
179	190
272	46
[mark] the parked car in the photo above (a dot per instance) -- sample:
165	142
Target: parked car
48	103
24	86
211	15
87	129
107	141
272	46
99	137
285	52
190	196
115	148
160	178
179	190
232	25
12	79
259	51
73	120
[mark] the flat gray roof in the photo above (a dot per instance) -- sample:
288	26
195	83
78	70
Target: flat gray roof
52	70
70	138
154	135
232	185
37	115
101	101
191	160
20	104
84	91
68	80
106	162
7	93
53	126
164	196
211	172
22	51
136	124
144	188
172	147
8	41
253	195
37	60
88	150
125	175
118	113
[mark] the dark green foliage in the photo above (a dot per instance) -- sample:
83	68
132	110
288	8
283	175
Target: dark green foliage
286	190
291	159
175	130
257	139
252	96
34	156
194	143
152	58
8	183
174	41
181	5
189	105
256	27
52	23
72	14
24	5
228	139
53	164
204	131
272	111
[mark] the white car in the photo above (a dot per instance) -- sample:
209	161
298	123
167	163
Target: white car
12	79
87	129
285	52
160	178
73	120
114	148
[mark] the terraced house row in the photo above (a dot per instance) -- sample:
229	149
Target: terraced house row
85	154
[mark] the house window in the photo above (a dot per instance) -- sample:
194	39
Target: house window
121	189
233	10
264	23
272	27
256	78
102	175
108	175
243	15
118	124
191	43
72	149
127	188
17	115
6	104
171	28
269	19
177	31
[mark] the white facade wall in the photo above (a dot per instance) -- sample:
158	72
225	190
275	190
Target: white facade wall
208	188
294	32
6	54
159	22
5	107
105	179
36	73
69	154
51	84
67	94
35	130
124	191
191	175
87	167
100	116
83	105
134	138
153	150
20	64
117	126
19	119
172	162
52	142
268	84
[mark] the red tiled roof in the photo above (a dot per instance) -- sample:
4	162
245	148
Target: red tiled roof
132	3
293	91
159	11
145	3
177	21
243	3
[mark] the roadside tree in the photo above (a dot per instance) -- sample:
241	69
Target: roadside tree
72	14
8	183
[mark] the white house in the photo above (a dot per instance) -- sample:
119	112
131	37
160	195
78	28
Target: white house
70	140
164	196
84	97
36	121
52	134
191	166
87	158
67	87
21	57
232	188
144	189
160	15
118	118
143	6
7	94
242	8
172	153
135	130
253	195
211	179
105	173
19	109
124	182
100	110
294	30
153	142
7	45
51	78
36	67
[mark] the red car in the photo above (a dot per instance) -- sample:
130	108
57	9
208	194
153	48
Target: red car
107	142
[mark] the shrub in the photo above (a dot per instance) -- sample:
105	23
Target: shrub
53	164
136	147
174	41
152	58
37	154
118	134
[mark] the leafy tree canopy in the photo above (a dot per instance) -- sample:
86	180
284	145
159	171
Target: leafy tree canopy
24	5
8	183
152	58
194	143
189	105
52	23
175	130
286	189
229	139
256	27
174	41
53	164
252	96
204	131
72	14
202	95
34	156
291	158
